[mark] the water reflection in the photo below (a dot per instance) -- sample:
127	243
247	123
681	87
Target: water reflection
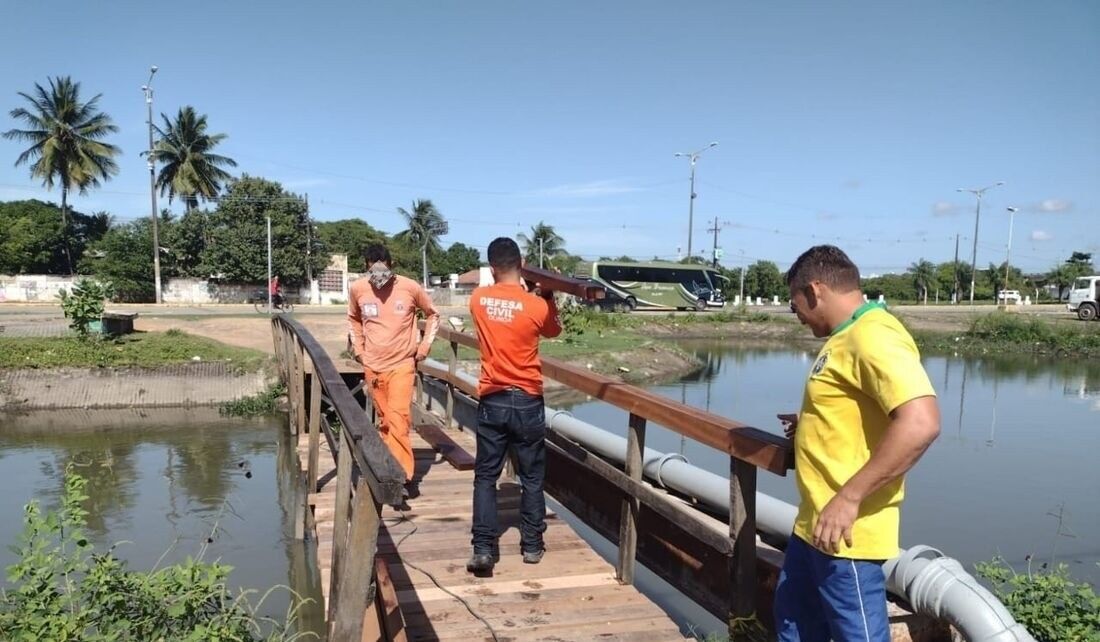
172	483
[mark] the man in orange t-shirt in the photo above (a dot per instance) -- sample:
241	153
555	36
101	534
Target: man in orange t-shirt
382	315
510	413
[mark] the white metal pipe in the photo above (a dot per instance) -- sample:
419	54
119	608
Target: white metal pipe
932	583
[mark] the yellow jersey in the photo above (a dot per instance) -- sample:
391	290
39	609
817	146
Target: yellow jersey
867	368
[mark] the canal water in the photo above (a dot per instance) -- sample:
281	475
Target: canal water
169	484
1013	474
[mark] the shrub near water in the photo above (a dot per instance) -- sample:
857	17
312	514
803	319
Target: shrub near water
1049	604
1035	332
62	590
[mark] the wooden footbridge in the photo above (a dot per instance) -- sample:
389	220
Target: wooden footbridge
399	573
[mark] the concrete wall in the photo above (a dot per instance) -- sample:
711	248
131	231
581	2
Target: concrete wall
41	288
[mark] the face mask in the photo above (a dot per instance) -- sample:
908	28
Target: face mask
379	275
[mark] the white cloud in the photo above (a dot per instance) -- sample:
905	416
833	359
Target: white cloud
852	183
943	208
1052	205
1041	235
591	189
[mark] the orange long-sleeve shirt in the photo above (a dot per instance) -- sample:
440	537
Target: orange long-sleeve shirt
509	322
383	324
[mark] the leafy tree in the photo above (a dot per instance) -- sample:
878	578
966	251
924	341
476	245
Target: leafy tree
84	304
236	249
457	259
894	287
1062	276
624	259
543	242
763	279
189	168
731	285
1082	260
67	147
183	242
32	239
426	225
351	237
924	278
124	256
997	278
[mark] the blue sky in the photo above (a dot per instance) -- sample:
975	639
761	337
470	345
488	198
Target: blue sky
852	122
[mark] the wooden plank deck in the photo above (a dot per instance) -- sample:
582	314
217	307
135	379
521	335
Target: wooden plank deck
571	595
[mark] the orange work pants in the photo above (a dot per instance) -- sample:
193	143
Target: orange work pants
392	393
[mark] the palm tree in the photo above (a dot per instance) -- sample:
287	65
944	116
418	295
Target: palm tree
190	170
66	137
543	246
924	275
426	225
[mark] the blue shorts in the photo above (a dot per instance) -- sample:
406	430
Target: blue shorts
822	598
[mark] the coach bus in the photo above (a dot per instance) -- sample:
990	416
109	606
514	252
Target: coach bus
661	285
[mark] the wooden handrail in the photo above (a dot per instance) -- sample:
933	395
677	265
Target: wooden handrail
382	472
752	445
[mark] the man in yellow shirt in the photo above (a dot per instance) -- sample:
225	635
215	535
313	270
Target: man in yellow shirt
868	414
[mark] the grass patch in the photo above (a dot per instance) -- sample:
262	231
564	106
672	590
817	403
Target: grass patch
143	349
1022	334
264	403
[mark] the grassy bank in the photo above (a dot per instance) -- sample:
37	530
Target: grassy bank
1013	333
142	349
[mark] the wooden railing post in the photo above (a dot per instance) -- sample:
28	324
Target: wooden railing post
452	370
300	360
742	611
628	526
314	431
356	578
340	517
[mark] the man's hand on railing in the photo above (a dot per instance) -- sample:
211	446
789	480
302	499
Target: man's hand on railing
790	423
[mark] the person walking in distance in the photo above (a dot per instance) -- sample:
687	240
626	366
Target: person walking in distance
382	317
510	413
868	414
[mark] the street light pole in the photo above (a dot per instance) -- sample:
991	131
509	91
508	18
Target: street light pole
978	192
1008	253
148	89
694	156
269	293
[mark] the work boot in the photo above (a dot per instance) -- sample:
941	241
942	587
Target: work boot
533	557
480	563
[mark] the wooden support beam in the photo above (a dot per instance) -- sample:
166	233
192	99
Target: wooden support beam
628	527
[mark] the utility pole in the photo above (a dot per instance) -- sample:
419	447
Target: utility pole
978	192
1008	253
540	253
269	302
148	89
955	265
694	156
714	248
309	248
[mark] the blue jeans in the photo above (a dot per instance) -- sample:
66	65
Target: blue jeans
821	598
510	419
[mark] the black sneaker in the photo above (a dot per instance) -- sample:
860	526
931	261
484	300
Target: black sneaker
480	563
533	557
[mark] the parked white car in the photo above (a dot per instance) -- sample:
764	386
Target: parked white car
1005	296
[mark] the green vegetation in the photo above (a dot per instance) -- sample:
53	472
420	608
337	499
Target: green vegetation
67	148
140	349
1016	333
63	590
264	403
189	168
1049	604
84	305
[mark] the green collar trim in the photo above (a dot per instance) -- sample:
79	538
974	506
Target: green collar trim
863	309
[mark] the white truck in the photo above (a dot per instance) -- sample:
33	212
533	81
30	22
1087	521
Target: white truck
1084	297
